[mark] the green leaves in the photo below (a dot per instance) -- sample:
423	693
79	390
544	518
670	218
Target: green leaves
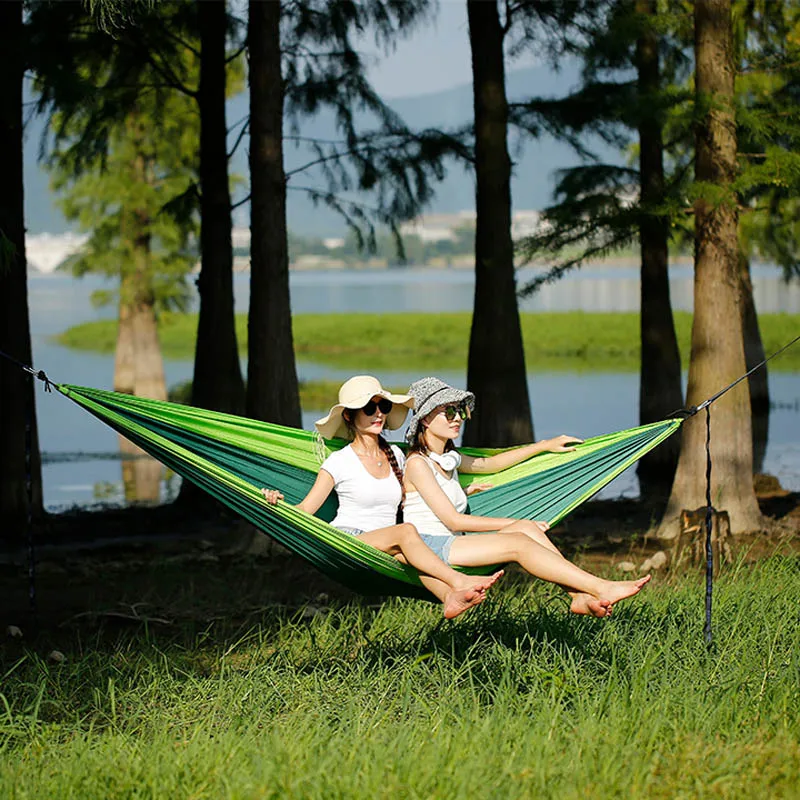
113	15
125	140
597	205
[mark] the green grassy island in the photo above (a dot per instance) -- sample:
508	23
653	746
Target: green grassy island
566	341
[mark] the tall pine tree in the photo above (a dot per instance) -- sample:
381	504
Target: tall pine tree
717	356
631	55
304	59
496	362
18	430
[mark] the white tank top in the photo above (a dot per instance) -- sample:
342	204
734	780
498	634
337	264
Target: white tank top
418	512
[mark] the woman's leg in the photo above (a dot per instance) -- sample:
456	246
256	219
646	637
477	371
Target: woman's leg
533	531
582	603
457	592
539	561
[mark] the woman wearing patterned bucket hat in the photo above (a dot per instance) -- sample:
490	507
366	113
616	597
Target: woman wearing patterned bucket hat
435	503
367	475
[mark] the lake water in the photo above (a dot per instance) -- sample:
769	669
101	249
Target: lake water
81	456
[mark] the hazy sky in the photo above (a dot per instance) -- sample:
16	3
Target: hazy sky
435	57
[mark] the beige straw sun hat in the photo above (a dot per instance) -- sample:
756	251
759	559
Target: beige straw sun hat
356	393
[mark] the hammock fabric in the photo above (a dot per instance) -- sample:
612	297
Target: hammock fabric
232	457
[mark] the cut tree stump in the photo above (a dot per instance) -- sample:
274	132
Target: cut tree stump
690	546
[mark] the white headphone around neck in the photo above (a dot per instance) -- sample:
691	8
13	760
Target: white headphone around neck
447	461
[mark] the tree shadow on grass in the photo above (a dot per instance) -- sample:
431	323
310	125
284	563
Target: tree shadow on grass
522	643
246	612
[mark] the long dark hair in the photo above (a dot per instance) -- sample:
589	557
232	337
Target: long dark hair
386	448
418	444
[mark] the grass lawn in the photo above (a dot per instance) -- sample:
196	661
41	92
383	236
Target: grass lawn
429	342
231	696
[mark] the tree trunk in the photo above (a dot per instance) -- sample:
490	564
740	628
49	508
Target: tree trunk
149	378
17	407
272	389
124	354
217	381
660	391
717	356
141	474
754	354
496	363
137	279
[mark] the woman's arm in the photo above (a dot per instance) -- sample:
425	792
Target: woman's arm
495	463
420	478
316	496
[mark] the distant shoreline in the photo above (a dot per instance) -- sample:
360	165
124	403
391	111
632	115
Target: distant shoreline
308	264
461	264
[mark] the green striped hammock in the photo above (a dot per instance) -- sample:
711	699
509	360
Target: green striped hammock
232	457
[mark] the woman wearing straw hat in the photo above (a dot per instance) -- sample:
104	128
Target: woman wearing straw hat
367	475
435	503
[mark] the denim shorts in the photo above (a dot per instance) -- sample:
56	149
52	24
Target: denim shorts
439	543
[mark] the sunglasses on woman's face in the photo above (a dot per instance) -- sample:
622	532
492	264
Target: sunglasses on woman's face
451	412
384	405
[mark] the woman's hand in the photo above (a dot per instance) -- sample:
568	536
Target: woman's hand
474	488
561	444
272	496
508	458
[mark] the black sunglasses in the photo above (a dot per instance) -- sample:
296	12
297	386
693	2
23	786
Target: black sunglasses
451	412
383	404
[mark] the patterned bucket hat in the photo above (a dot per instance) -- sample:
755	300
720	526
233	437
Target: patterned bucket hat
430	393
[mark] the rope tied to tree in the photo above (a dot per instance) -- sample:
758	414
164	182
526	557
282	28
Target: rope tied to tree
40	373
31	547
692	410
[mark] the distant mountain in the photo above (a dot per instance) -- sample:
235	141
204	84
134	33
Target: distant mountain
535	163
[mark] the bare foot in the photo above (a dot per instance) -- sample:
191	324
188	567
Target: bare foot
619	590
481	582
472	593
458	601
589	605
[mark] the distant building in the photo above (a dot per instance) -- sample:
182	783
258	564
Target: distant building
524	223
438	227
47	251
240	238
443	227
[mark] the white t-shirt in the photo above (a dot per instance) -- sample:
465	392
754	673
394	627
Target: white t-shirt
365	502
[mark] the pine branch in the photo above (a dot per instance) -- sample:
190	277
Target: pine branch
245	128
241	202
172	80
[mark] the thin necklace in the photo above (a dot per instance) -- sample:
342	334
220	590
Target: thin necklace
368	455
